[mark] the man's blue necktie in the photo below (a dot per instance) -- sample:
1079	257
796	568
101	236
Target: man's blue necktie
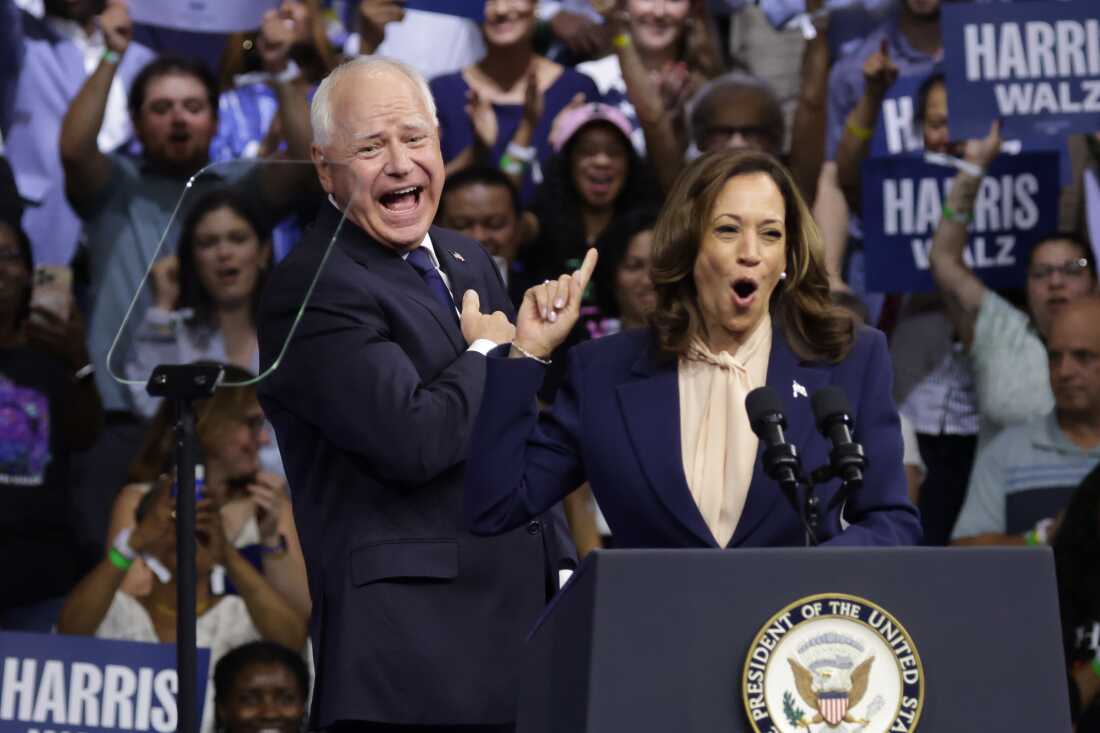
421	261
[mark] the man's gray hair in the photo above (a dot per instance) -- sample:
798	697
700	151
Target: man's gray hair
730	81
320	111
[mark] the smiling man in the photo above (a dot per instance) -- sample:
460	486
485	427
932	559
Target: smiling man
416	622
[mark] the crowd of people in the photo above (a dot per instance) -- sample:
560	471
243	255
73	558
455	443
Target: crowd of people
184	169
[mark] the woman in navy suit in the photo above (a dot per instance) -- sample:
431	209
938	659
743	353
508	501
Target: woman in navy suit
655	419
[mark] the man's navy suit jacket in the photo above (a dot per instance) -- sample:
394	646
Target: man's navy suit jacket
415	620
616	423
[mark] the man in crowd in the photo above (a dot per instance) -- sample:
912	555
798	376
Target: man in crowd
483	204
1025	477
43	62
415	620
127	204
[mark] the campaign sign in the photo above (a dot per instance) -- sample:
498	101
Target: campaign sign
1035	65
902	202
207	16
81	684
472	9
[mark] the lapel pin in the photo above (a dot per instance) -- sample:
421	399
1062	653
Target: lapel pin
457	256
797	390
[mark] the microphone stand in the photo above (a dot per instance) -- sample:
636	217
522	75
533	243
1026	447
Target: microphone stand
182	384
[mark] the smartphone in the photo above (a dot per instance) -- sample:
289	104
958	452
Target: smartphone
52	291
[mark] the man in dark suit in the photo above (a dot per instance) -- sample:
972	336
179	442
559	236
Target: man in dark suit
416	624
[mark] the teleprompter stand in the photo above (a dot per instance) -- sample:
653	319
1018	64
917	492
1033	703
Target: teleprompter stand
181	384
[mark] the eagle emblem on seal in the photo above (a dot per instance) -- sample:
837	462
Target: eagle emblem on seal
829	679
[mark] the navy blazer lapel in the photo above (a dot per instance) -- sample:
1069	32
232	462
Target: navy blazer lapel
458	266
389	265
794	380
650	403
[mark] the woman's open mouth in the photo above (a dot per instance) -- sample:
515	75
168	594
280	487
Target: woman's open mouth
744	291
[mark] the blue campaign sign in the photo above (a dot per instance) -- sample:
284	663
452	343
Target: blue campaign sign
472	9
896	130
77	683
1036	65
902	202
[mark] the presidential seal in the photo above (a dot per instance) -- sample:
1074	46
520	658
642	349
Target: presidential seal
833	663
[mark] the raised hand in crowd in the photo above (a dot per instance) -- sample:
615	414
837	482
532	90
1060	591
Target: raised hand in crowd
67	340
283	563
374	16
483	118
879	74
550	310
962	290
584	37
165	278
115	24
279	31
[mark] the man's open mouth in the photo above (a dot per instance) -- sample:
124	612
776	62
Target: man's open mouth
403	199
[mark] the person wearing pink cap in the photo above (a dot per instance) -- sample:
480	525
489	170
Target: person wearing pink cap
594	178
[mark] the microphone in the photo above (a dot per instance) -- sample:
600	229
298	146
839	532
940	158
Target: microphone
833	416
765	413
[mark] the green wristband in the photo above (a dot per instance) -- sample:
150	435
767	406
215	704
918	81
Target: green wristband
1095	666
119	560
510	165
111	57
1032	538
959	217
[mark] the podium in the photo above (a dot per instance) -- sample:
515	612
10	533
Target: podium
656	641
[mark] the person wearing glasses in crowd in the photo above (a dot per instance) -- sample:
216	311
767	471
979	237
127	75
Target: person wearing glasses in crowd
1005	346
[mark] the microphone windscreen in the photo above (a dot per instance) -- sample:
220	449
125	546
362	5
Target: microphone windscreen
829	401
760	402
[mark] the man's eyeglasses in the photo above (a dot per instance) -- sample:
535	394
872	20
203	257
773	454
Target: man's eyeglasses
1069	268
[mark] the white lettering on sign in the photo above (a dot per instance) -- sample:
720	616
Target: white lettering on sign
1035	49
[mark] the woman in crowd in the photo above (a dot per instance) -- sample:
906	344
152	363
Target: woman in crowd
98	606
655	418
205	297
625	296
503	105
260	686
662	53
254	503
1076	548
594	178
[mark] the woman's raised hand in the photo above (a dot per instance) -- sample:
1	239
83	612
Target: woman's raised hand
549	311
483	118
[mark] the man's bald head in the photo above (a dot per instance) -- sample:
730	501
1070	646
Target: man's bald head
1073	352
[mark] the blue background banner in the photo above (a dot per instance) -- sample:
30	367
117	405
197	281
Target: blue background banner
78	683
472	9
1036	65
902	202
